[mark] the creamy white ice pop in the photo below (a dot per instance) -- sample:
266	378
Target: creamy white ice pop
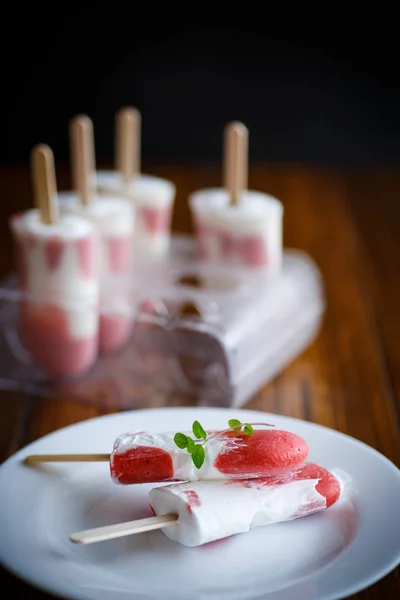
114	219
196	513
152	197
233	225
58	277
212	510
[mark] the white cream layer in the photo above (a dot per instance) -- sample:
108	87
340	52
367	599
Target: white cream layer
253	214
224	509
113	216
144	190
67	227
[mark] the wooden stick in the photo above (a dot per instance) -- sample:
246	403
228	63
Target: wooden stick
235	160
44	183
83	157
109	532
127	142
44	458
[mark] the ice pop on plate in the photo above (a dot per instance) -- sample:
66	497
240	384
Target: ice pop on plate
145	457
196	513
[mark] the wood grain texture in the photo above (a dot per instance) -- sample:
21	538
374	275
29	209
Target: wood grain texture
349	379
13	422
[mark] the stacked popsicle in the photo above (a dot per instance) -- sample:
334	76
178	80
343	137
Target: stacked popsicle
231	481
76	251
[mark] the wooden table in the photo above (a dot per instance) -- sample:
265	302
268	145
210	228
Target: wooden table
349	380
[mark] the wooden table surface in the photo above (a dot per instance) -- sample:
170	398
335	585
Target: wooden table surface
349	379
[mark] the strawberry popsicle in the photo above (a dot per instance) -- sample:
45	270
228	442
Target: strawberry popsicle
146	457
152	197
114	219
212	510
58	278
233	225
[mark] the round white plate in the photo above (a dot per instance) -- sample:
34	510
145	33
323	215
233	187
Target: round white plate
325	556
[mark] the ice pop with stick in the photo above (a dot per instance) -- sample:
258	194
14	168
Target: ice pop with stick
236	226
58	278
113	218
197	513
152	197
242	451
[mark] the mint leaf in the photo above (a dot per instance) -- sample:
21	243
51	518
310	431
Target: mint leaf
235	424
248	429
181	440
198	456
198	431
190	445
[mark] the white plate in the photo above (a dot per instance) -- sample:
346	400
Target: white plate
321	557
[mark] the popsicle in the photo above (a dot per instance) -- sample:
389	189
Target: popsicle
210	511
58	278
233	225
194	514
152	197
148	458
145	457
113	218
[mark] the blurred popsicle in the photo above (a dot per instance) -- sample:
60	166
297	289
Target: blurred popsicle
114	219
233	225
152	197
58	278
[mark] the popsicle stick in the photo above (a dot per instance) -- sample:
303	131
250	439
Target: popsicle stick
44	183
109	532
44	458
83	158
236	142
127	142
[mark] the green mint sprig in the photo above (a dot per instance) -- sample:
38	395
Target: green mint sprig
195	446
236	425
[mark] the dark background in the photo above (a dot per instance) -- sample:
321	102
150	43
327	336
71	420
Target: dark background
322	88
